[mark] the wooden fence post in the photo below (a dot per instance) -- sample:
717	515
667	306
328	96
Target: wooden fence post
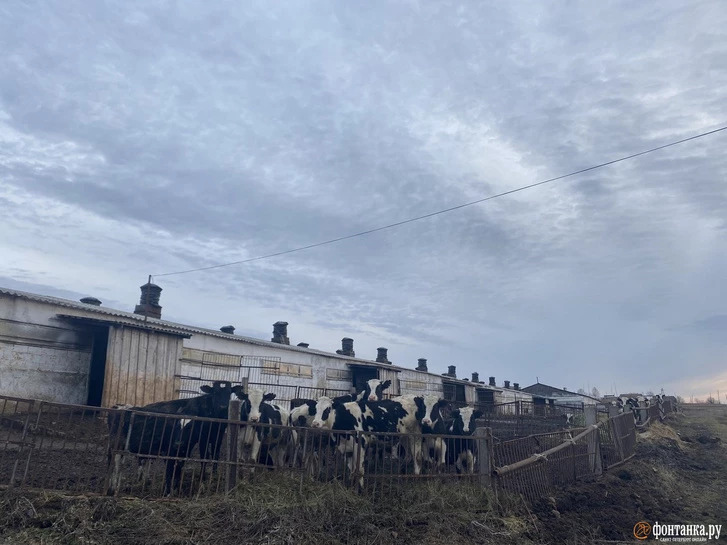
484	455
233	431
591	415
597	459
615	434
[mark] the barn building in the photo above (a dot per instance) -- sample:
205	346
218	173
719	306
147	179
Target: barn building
81	352
560	396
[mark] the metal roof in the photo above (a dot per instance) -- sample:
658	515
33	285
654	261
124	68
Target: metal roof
554	389
121	317
147	326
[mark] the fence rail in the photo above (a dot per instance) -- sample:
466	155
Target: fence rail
56	446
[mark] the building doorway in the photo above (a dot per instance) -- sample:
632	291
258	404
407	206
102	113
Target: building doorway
97	371
361	375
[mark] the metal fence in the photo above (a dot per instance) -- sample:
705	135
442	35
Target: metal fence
534	466
55	446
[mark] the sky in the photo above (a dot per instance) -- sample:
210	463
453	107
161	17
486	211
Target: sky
142	138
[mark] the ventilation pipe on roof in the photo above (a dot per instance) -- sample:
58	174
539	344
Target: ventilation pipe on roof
475	377
346	347
303	345
422	364
516	385
91	301
382	355
280	333
452	371
149	301
492	381
507	384
229	329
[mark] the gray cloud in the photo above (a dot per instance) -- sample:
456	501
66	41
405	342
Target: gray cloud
140	138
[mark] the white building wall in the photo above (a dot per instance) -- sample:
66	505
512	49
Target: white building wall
418	382
41	357
330	373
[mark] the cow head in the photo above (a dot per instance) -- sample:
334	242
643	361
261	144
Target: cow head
465	420
218	397
429	410
323	413
251	403
374	389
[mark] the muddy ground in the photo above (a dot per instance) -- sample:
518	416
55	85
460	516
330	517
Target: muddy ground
679	475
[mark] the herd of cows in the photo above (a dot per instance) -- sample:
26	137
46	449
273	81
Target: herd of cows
637	402
426	432
358	425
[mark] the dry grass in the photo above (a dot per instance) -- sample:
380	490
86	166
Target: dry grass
273	510
658	431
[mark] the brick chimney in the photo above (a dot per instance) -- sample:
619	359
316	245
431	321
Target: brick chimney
303	345
492	381
280	333
452	371
475	377
507	384
91	301
422	364
346	347
149	301
229	329
382	355
516	385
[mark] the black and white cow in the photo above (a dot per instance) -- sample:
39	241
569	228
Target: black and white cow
404	415
256	410
304	411
372	391
433	448
462	452
164	436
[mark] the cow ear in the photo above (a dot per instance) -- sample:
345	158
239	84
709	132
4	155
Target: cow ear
206	388
269	397
385	384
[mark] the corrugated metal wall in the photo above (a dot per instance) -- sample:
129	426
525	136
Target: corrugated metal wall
141	367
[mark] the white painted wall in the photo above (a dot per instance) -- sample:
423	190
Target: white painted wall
41	357
239	347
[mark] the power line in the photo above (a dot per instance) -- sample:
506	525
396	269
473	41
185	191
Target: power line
450	209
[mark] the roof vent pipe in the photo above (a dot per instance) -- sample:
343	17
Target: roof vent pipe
346	347
507	384
452	371
516	385
492	381
229	329
303	345
422	364
149	301
280	333
475	377
91	301
382	355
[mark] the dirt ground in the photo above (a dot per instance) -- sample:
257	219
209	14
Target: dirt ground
679	475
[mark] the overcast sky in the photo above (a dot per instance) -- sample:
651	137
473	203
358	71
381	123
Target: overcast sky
142	138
